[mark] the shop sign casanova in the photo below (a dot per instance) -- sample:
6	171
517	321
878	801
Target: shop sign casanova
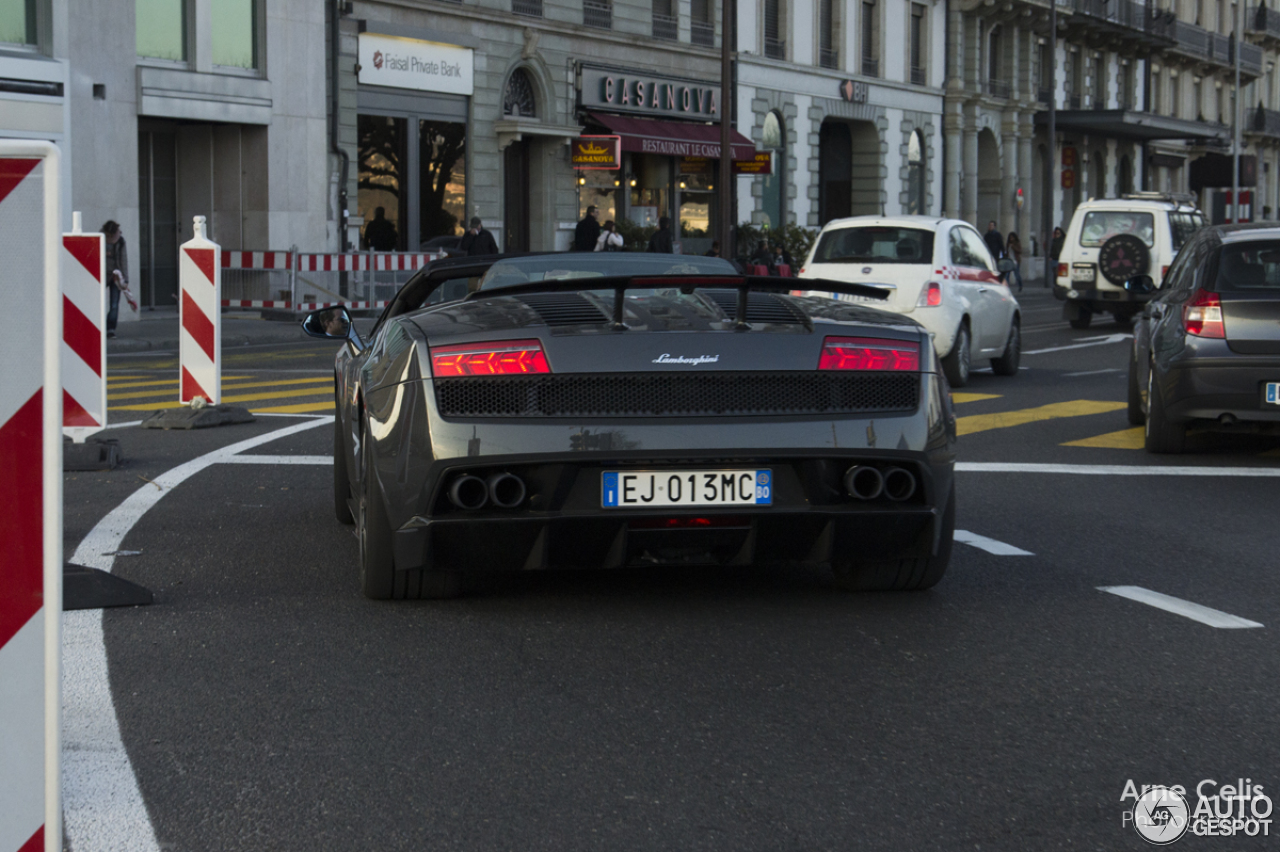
596	152
615	90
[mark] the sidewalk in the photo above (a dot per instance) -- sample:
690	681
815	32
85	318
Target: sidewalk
158	330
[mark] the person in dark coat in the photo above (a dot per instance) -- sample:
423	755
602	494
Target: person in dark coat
380	234
117	273
994	240
478	241
1055	244
587	234
661	240
764	257
714	251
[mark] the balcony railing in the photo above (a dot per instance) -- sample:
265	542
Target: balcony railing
1132	15
1250	60
702	33
775	48
1191	40
999	88
531	8
666	27
870	67
1073	102
919	76
1263	21
1263	121
598	14
828	58
1044	96
1216	48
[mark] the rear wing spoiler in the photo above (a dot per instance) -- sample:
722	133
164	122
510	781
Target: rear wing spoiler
686	284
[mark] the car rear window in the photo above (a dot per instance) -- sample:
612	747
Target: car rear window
1249	266
875	244
1182	226
1101	225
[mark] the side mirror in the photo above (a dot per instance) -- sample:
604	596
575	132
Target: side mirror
1140	284
331	324
1006	264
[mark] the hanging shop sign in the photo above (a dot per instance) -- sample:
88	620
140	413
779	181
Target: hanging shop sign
596	152
410	63
761	164
643	93
1068	157
1068	178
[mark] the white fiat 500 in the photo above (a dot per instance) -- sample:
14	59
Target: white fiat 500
938	272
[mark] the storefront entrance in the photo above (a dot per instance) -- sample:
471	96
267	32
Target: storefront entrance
515	196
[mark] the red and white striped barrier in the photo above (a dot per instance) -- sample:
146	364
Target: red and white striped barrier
31	492
200	338
355	306
284	304
257	260
84	339
363	262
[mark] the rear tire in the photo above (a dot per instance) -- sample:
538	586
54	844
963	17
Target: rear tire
1082	319
1163	435
914	574
957	363
1007	364
1136	415
341	485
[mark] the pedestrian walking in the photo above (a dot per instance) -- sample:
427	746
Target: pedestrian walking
1013	250
380	234
714	251
609	239
661	241
117	274
587	234
1055	244
478	241
994	240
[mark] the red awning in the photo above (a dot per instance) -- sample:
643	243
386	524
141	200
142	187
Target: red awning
673	138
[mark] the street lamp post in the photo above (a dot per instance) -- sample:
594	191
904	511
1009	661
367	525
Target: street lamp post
1051	156
726	127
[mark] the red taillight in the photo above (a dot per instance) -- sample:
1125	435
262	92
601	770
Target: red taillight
867	353
930	296
1063	271
490	358
1202	315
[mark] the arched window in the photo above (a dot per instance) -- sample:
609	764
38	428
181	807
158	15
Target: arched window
774	139
915	174
518	101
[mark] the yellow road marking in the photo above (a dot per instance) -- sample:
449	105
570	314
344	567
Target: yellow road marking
244	397
1005	419
958	398
169	392
301	408
1125	439
116	384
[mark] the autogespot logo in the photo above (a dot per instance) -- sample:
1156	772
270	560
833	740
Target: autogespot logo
666	358
1161	815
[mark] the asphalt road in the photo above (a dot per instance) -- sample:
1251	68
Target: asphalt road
264	704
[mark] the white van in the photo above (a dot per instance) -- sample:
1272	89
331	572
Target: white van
1112	240
939	272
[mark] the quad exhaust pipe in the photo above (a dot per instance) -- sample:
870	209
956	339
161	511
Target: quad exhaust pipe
504	490
864	482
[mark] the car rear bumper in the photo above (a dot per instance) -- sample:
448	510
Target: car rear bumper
1099	298
1225	390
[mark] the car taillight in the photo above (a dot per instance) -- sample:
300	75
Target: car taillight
490	358
1202	315
868	353
1063	271
930	295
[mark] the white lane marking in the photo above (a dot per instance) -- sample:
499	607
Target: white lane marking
102	804
990	545
1177	606
1113	469
122	425
1091	372
1085	343
257	459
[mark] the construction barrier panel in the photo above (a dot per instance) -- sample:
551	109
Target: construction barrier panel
31	493
84	339
200	318
290	280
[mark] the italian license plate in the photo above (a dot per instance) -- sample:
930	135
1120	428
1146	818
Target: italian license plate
638	489
1084	272
1273	393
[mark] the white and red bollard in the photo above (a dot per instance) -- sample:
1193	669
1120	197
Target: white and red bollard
31	493
200	315
84	339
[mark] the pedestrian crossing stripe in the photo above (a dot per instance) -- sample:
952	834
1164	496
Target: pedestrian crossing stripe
326	380
301	408
116	384
960	398
1125	439
244	397
1005	419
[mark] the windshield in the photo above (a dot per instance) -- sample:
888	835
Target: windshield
569	265
1182	226
1101	225
875	244
1249	266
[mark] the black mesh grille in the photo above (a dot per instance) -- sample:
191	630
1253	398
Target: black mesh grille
761	307
667	395
563	308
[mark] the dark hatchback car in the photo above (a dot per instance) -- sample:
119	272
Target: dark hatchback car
608	410
1206	349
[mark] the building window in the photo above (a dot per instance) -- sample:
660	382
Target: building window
528	8
162	29
1174	96
1044	73
442	155
775	44
1099	83
1197	97
702	27
774	139
828	52
18	21
917	44
383	182
518	100
1156	83
665	23
598	14
997	86
234	33
1124	86
870	39
915	175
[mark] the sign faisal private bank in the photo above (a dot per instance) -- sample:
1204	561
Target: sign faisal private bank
410	63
